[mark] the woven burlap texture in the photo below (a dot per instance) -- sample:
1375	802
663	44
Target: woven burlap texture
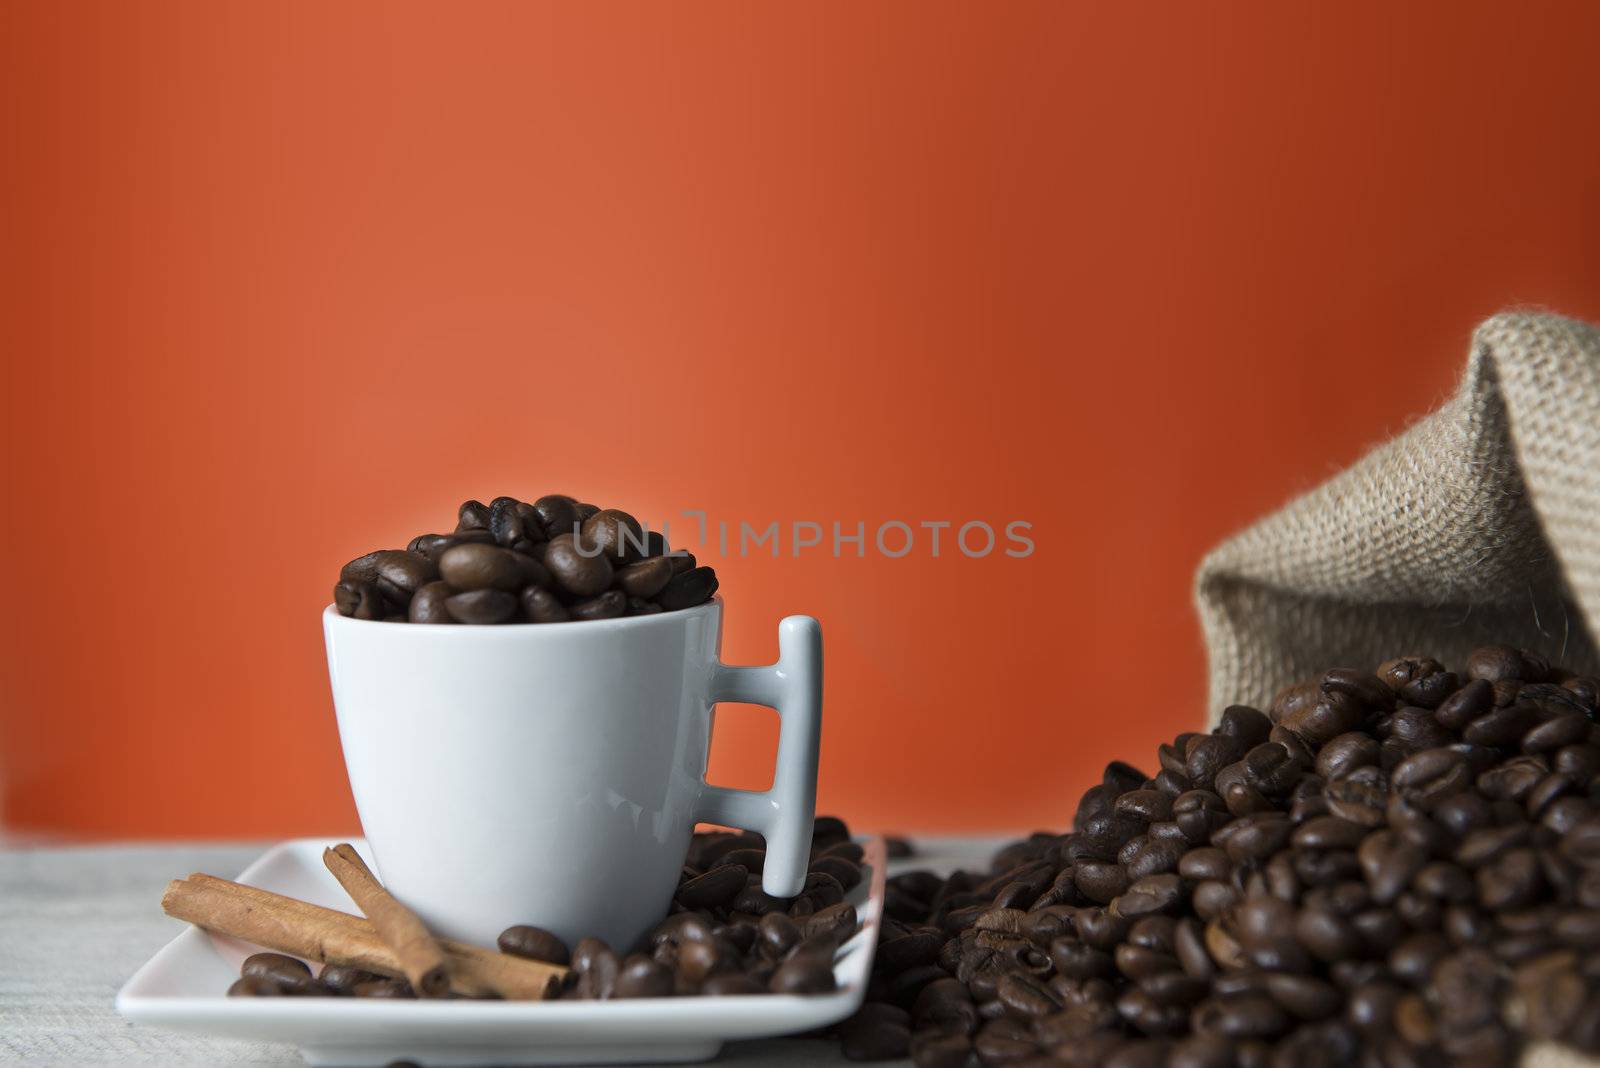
1481	523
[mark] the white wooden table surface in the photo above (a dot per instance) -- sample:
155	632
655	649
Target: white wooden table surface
76	922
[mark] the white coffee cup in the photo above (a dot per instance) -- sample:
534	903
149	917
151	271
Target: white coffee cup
552	773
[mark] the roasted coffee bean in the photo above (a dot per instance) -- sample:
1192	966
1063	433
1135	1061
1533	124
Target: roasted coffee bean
1335	713
1552	734
1502	727
995	1046
505	521
641	977
1100	882
609	605
576	567
842	871
359	600
597	967
1413	959
1264	928
1445	881
1141	962
399	575
535	943
428	605
687	589
877	1032
1547	790
1364	686
586	952
938	1049
1463	813
645	578
1494	663
1153	856
1510	881
701	958
1274	767
1168	989
342	979
475	566
715	887
541	606
1345	753
1153	893
256	986
1360	796
383	988
1244	799
472	515
615	533
557	514
1209	753
481	607
363	569
944	1004
802	975
1145	806
1248	725
290	974
1076	960
1388	863
1328	832
731	984
1025	996
1045	923
1421	769
850	851
837	921
1254	837
1243	1017
1212	897
1201	1051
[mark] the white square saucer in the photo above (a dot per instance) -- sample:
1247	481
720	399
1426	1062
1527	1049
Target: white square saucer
184	987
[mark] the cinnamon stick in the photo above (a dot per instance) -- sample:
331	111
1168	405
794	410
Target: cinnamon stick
400	928
328	936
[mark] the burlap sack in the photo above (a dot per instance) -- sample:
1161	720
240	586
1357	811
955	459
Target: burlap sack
1481	523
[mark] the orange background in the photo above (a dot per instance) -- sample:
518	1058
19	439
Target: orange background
284	283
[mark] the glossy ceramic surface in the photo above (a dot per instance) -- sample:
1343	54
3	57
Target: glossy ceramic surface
552	774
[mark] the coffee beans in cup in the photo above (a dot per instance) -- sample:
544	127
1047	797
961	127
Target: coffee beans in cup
554	560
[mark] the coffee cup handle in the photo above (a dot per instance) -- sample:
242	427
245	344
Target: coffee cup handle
785	814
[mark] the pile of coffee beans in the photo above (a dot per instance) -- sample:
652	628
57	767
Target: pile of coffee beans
1390	868
724	935
555	560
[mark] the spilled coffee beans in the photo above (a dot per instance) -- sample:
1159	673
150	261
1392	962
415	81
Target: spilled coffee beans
552	561
1399	867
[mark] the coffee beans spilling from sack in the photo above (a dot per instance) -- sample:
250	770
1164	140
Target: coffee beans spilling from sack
555	560
723	937
1399	868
